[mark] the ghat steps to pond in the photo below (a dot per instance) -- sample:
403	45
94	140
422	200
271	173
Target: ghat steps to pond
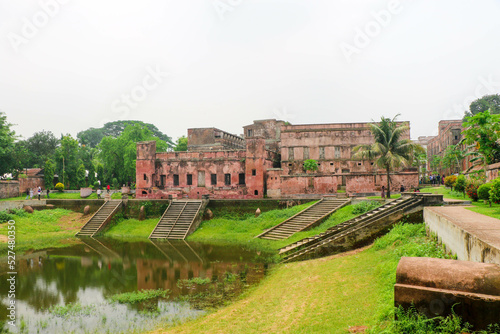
353	232
180	219
305	219
100	219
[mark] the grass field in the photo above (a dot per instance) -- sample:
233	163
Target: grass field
226	230
42	229
326	295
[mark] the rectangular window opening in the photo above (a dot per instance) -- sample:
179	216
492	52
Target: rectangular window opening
227	179
176	180
254	172
190	179
241	178
213	179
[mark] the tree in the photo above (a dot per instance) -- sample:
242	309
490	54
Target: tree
435	163
80	175
7	138
453	156
487	102
42	146
311	165
67	161
482	132
389	149
181	144
118	155
92	137
48	173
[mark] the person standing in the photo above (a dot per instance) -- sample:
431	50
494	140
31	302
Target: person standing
98	192
27	193
108	187
31	193
48	191
39	192
402	189
382	193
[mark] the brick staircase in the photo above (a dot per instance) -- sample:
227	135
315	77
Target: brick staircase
100	219
352	232
180	219
305	219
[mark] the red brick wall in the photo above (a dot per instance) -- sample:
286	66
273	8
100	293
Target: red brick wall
31	182
9	189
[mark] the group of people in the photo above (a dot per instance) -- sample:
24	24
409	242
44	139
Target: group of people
30	193
436	179
108	188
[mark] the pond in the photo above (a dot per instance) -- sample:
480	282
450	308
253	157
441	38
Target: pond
74	289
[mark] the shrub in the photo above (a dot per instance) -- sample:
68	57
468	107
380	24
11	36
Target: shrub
59	186
5	216
96	185
483	192
495	191
471	189
364	206
311	165
460	184
116	185
449	181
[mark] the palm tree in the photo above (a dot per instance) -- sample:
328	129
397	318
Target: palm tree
389	149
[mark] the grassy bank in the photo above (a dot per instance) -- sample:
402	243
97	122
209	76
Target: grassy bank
326	295
132	228
42	229
227	229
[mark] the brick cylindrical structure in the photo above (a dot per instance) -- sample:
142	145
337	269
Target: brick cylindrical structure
435	286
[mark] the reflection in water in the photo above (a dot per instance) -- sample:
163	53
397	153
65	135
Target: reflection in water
89	273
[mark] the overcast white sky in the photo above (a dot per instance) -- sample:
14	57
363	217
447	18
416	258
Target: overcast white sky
67	65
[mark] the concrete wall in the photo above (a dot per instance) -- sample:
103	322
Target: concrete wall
466	245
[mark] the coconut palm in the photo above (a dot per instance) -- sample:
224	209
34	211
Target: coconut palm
390	151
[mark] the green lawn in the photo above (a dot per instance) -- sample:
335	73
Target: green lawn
132	228
228	230
326	295
393	196
42	229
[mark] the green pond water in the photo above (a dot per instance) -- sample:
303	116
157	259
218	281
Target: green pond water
68	290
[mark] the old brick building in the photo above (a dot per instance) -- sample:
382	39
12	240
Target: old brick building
268	161
449	133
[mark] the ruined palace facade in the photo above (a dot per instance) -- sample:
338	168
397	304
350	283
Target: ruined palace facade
267	161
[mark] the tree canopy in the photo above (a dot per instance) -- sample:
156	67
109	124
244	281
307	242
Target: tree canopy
118	155
7	138
482	131
93	136
181	144
487	102
389	150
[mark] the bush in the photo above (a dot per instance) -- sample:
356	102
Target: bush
495	191
116	185
471	189
59	187
5	216
460	184
311	165
96	185
364	206
483	192
449	181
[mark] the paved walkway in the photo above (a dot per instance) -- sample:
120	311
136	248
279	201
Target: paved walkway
485	228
